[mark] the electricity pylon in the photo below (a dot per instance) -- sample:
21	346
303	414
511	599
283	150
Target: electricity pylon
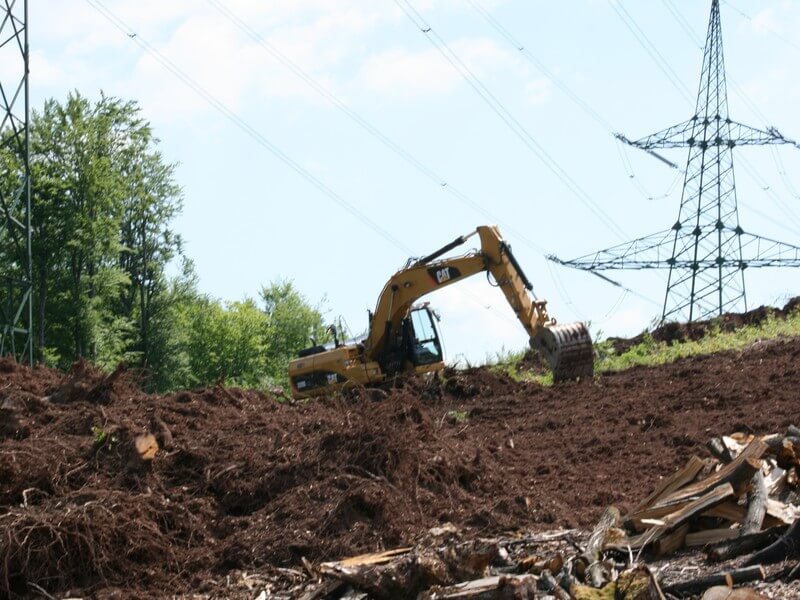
706	251
16	314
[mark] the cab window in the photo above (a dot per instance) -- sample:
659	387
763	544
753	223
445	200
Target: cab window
425	347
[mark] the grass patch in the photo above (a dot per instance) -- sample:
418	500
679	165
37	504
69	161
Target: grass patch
651	352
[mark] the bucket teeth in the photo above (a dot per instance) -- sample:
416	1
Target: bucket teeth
568	349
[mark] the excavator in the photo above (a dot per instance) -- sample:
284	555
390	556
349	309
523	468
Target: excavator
403	336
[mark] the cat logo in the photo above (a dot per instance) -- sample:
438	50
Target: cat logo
442	275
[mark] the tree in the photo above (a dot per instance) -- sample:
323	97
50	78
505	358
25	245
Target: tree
292	323
102	201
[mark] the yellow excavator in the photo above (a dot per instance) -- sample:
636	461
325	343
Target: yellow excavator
403	337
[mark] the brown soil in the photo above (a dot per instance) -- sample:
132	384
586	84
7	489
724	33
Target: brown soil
242	481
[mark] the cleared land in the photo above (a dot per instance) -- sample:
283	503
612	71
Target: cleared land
242	480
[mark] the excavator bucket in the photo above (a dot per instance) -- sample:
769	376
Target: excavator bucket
567	349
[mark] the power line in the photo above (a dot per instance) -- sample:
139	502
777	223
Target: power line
506	116
243	125
527	54
784	175
371	129
650	48
558	82
253	133
768	28
676	14
681	20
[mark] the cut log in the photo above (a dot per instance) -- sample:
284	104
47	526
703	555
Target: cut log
744	545
729	578
552	586
738	473
643	520
375	558
723	592
756	505
720	451
505	587
669	484
700	505
323	590
785	449
710	536
596	573
730	511
786	546
672	542
785	513
775	481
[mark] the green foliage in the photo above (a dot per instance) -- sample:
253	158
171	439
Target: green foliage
291	325
650	352
101	438
457	416
102	202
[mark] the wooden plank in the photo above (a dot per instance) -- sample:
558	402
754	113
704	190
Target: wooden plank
376	558
639	522
738	473
717	495
669	484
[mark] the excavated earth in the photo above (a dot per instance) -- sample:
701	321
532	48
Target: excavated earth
246	481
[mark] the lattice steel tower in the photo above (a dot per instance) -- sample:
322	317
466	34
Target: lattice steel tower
706	251
16	314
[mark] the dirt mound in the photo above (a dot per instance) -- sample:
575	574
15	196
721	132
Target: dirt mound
242	481
681	332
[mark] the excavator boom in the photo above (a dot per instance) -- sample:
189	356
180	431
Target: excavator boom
393	344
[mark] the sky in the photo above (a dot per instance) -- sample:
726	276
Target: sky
283	179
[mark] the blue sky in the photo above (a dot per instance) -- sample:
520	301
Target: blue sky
249	219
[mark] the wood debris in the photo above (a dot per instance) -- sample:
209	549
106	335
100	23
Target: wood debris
733	505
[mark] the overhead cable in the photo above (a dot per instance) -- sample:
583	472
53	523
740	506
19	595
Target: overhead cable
243	125
506	116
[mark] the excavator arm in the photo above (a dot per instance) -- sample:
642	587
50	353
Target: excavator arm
566	348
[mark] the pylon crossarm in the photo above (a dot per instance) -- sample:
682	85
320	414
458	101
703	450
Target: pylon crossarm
712	132
744	135
671	137
650	252
759	251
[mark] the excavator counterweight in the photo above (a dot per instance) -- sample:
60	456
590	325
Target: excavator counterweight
403	337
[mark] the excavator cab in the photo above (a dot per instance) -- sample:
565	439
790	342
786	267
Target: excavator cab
424	344
416	344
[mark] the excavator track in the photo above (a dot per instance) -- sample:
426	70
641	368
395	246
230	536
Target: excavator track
568	349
